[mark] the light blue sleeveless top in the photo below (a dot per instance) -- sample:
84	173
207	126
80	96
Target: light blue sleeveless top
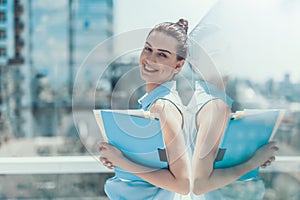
133	187
204	93
252	189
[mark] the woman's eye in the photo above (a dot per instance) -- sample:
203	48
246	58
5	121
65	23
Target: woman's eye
163	55
147	48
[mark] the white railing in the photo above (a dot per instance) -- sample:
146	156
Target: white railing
90	164
51	165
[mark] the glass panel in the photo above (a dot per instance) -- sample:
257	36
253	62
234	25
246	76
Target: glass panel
36	116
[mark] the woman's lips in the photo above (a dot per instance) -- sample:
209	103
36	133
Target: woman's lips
149	69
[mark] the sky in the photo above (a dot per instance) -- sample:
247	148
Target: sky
263	36
135	14
50	36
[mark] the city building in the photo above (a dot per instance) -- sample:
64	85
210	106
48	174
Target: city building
62	34
12	31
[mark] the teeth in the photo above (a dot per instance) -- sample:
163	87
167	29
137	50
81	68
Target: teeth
147	68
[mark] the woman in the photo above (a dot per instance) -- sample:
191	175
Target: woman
162	57
211	108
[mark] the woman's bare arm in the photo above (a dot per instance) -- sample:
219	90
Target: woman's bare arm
212	121
176	178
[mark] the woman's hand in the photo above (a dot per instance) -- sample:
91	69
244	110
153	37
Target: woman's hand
106	163
110	155
265	155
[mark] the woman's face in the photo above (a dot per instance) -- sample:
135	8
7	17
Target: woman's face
158	60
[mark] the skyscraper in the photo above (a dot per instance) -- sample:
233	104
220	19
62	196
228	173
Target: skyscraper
11	60
62	33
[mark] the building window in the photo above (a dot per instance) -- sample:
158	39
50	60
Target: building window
3	2
2	52
2	34
2	16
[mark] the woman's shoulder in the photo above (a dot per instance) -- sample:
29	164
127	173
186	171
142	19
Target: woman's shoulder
164	105
216	106
167	111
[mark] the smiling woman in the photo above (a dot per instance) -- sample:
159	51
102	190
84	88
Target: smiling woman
158	60
162	57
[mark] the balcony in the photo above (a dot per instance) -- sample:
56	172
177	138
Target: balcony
18	10
19	26
16	61
90	164
49	169
41	177
19	45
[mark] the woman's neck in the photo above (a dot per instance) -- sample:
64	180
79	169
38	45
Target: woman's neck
151	86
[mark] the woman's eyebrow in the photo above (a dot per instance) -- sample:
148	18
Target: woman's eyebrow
148	44
164	50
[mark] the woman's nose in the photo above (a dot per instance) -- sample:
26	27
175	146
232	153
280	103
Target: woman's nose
151	59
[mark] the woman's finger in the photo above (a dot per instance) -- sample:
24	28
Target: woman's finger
263	166
104	146
103	160
106	163
272	158
268	163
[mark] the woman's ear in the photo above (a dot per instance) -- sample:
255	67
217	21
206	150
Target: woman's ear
179	66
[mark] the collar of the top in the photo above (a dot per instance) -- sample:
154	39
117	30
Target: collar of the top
214	91
159	92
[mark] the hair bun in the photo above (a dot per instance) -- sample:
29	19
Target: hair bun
184	24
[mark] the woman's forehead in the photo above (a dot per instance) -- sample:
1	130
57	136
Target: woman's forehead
159	40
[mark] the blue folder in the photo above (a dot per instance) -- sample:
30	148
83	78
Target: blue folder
243	136
139	138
